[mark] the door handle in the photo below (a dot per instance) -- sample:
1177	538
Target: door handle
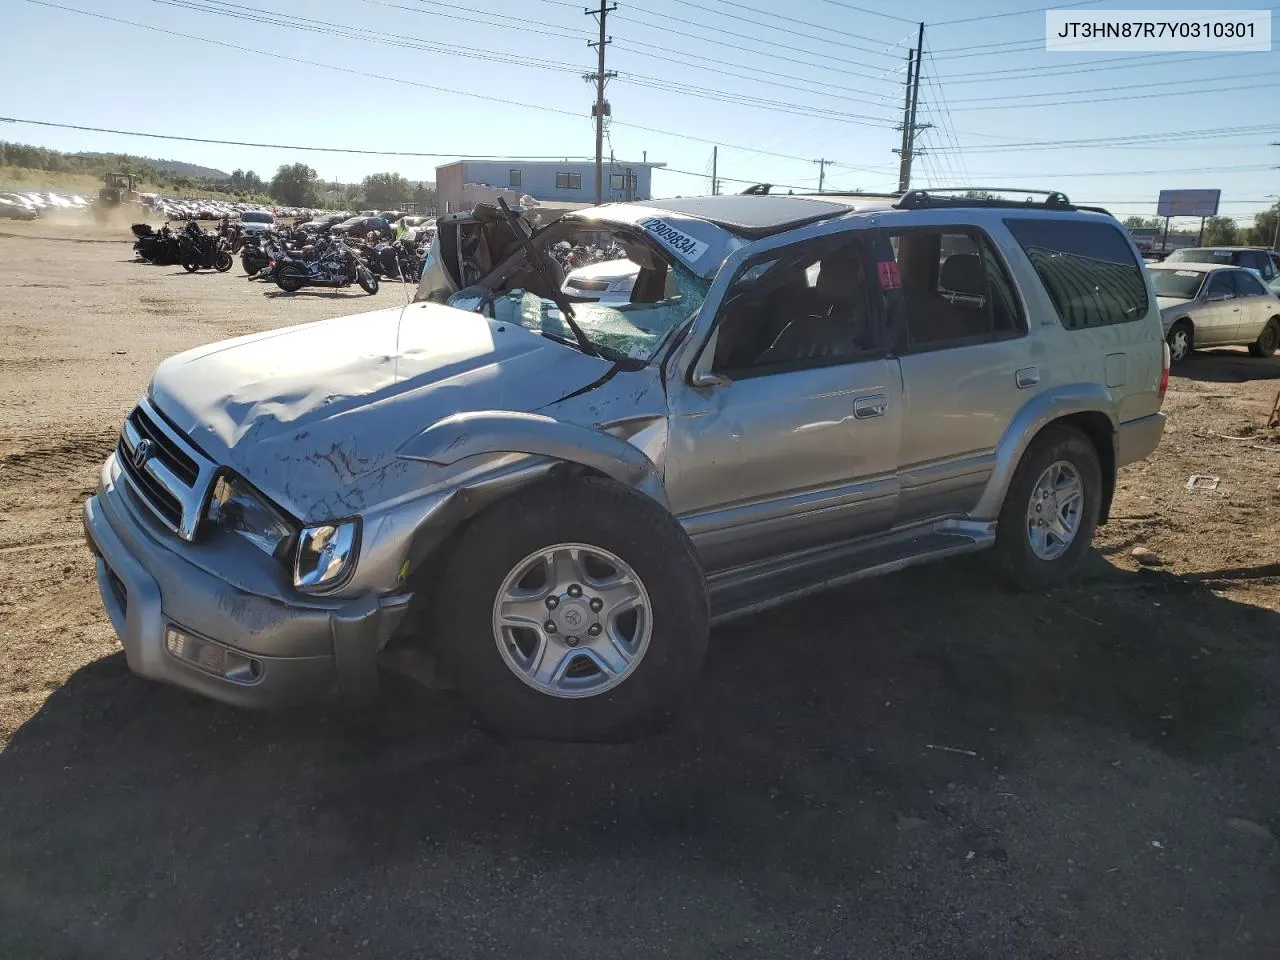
1027	377
864	408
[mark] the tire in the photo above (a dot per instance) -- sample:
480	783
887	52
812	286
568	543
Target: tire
191	266
368	281
289	278
1182	342
1268	340
591	704
223	262
1023	562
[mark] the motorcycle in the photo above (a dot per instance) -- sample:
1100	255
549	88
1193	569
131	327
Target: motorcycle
398	260
160	247
202	251
337	266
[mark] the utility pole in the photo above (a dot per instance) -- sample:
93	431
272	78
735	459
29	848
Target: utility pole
601	106
822	172
910	128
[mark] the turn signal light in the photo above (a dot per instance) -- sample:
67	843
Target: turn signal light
1164	372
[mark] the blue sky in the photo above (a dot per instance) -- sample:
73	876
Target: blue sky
822	79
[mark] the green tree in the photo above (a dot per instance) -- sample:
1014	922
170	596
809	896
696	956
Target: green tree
295	185
1220	231
1264	231
1144	223
425	198
386	190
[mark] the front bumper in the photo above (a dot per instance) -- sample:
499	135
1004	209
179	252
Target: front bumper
299	649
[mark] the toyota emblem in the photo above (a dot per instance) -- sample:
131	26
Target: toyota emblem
141	452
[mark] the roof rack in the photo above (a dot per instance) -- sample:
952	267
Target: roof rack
947	197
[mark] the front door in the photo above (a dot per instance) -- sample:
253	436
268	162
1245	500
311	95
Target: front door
1218	318
784	435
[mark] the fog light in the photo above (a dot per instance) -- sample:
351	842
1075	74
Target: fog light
212	657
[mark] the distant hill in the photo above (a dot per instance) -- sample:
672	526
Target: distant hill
176	167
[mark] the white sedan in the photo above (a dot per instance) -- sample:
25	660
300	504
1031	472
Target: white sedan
1207	305
609	281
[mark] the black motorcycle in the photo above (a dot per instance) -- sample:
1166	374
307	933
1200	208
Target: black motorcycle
397	261
203	251
160	247
337	266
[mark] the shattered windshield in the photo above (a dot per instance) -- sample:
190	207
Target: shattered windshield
631	326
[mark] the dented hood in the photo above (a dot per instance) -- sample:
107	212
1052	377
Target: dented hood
303	411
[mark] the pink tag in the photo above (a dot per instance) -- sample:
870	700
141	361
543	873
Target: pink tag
889	277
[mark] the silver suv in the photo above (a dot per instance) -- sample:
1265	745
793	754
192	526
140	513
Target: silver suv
556	500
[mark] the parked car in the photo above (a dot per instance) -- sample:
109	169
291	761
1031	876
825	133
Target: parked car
556	500
1207	305
13	210
609	281
1265	262
254	222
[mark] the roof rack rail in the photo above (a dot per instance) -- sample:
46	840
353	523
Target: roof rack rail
947	197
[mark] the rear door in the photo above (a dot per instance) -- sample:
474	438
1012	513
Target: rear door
966	359
1256	303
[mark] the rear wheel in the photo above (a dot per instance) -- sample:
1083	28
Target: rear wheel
1181	342
1051	509
290	278
572	611
1268	340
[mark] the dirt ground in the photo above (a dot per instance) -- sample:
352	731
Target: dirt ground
921	766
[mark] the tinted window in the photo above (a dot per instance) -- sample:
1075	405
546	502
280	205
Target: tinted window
805	307
954	289
1087	268
1247	285
1221	284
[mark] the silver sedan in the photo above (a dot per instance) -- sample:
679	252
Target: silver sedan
1206	305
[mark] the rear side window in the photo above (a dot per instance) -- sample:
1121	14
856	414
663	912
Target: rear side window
1087	268
1247	285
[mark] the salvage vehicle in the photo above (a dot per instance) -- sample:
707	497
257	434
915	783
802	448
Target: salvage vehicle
555	500
1205	304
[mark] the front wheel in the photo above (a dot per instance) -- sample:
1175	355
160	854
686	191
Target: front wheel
222	263
368	282
191	264
572	611
1050	510
1181	342
1268	340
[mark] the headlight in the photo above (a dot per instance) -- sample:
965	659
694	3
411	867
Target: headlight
238	508
326	553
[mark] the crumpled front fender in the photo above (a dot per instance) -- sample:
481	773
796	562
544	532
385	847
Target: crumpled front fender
478	433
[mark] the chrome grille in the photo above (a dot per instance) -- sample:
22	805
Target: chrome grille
164	469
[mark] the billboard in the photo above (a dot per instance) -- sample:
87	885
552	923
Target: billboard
1188	203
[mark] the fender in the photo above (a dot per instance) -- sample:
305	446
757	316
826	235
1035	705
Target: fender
1041	410
472	434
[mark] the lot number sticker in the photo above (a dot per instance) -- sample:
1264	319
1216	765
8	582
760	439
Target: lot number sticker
676	240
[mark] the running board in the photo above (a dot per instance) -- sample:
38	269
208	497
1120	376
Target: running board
743	591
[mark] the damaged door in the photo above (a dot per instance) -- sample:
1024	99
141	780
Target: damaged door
784	433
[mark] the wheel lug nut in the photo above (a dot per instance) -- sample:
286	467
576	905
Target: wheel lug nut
575	590
596	604
594	630
571	641
549	627
552	602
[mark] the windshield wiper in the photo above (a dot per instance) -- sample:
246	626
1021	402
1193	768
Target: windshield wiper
557	295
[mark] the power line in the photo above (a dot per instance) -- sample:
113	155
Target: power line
1015	13
1135	86
1168	136
1127	173
1097	66
282	146
870	13
272	55
806	23
775	29
1022	105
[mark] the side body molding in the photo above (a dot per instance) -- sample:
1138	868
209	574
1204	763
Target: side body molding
1041	410
471	434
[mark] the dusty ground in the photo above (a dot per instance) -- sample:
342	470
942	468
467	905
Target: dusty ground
1119	796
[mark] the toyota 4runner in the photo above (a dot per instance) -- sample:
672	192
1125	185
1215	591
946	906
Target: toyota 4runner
556	500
